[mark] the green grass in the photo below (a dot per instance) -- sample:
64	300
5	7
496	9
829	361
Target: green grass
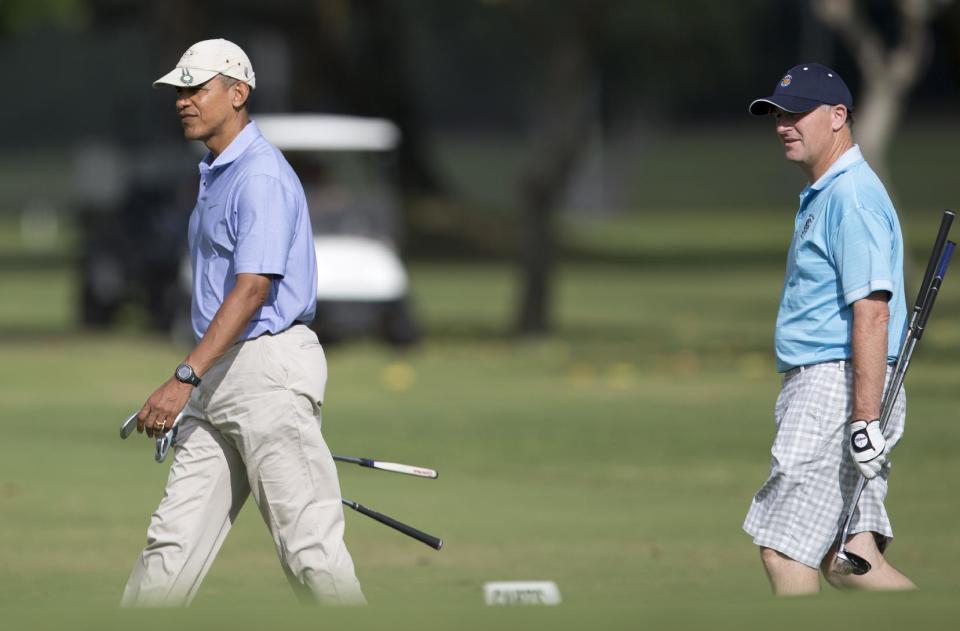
616	458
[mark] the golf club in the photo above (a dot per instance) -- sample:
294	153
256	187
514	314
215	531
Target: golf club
847	562
434	542
164	442
167	440
420	472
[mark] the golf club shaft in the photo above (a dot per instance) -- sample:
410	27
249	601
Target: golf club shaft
936	255
934	289
395	467
915	333
434	542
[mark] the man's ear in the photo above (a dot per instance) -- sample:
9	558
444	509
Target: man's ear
838	117
239	93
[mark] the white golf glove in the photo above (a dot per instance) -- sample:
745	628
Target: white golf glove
867	446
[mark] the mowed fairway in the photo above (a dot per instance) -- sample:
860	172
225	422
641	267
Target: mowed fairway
616	458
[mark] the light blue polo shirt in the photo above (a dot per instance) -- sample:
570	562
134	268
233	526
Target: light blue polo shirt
846	245
251	217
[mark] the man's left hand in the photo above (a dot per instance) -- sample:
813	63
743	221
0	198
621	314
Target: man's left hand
867	446
159	412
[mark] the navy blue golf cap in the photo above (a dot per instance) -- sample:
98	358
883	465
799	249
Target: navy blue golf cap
803	88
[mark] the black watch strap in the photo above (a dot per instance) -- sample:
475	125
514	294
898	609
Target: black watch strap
185	374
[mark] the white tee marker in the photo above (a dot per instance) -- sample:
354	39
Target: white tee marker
521	593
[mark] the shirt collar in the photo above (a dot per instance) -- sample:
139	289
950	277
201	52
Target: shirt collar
235	149
849	158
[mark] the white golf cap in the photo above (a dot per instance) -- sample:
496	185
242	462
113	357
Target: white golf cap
205	60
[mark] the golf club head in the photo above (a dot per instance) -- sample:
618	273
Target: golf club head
164	443
129	425
846	563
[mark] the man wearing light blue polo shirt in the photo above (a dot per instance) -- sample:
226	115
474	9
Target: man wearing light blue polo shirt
841	321
250	391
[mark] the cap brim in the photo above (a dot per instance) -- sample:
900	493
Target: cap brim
189	79
792	104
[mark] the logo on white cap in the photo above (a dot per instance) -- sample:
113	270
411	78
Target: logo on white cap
185	77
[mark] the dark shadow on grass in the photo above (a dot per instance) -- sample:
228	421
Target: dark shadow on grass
679	259
28	262
674	259
17	334
456	332
26	334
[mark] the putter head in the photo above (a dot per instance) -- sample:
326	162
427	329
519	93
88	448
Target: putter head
846	563
129	425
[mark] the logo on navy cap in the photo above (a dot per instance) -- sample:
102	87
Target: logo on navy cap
803	88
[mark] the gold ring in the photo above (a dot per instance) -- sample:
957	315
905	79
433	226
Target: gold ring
160	426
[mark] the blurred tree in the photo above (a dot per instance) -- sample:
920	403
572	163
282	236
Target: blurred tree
888	71
565	40
651	56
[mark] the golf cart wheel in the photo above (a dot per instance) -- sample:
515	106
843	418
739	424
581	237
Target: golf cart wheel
400	328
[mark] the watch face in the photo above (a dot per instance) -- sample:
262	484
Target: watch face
184	372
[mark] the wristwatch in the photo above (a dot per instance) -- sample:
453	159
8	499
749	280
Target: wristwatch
184	374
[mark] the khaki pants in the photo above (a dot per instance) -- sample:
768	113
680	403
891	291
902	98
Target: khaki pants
252	426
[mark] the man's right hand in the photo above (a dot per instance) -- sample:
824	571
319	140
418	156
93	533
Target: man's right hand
867	446
161	410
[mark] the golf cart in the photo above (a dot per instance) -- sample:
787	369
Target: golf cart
343	163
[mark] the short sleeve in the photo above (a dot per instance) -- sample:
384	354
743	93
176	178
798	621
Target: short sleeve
862	252
266	217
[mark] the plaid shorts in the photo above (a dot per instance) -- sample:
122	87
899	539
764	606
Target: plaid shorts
800	509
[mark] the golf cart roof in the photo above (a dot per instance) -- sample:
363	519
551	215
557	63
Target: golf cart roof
327	132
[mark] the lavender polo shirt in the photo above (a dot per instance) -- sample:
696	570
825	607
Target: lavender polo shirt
251	217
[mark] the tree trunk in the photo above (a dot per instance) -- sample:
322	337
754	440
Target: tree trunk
562	117
875	123
889	73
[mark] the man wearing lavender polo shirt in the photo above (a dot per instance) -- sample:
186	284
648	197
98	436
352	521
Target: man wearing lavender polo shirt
250	390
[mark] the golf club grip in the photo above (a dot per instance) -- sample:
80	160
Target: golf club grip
434	542
935	256
934	289
395	467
